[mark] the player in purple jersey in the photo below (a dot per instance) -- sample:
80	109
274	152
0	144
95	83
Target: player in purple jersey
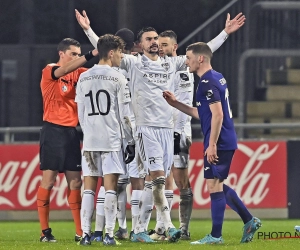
220	141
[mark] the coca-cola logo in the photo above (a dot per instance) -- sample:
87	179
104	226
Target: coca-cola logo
253	176
19	181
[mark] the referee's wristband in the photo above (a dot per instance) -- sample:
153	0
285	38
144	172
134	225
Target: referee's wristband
88	56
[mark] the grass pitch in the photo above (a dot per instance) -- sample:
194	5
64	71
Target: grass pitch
25	235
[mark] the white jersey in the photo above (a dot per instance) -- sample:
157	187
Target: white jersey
128	98
101	90
148	80
184	92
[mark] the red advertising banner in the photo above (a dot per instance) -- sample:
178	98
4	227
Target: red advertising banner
258	174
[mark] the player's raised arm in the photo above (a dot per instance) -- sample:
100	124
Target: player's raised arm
171	99
74	64
84	22
230	27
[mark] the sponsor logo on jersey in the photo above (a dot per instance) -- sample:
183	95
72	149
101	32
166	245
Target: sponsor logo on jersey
184	77
184	85
166	66
209	94
222	81
205	81
206	168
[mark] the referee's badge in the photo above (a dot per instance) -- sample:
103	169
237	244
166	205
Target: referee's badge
64	88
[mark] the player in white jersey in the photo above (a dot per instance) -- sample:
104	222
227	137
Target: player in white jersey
184	90
150	75
134	168
133	173
100	96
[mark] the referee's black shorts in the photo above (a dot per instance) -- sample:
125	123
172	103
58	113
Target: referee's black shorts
59	148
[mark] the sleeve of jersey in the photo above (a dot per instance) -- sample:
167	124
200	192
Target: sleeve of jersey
127	61
92	37
183	97
179	62
79	97
212	94
217	42
125	115
80	107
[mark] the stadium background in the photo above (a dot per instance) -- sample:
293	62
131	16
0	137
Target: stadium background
31	29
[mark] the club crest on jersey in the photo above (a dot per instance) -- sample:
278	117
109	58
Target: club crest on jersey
64	88
184	77
145	64
209	94
166	66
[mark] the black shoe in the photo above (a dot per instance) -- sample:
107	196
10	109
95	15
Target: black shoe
47	236
130	235
77	238
86	240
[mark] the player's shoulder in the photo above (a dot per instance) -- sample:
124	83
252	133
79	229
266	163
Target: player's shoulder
49	66
218	78
132	57
117	72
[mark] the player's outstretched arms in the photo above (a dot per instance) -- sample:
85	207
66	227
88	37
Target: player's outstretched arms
74	64
84	22
83	19
171	99
230	27
234	24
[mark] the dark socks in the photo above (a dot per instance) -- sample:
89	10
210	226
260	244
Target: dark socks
235	203
218	205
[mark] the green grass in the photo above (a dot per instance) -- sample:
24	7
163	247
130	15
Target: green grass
25	235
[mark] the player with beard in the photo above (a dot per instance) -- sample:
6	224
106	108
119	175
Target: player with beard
150	75
184	90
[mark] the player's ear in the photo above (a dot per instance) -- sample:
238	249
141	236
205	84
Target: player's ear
175	46
200	59
110	54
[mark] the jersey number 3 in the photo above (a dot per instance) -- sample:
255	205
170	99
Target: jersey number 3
104	92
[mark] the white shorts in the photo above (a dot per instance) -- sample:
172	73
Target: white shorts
97	163
155	147
182	160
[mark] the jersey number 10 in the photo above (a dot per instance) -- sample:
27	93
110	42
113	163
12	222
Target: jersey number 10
90	94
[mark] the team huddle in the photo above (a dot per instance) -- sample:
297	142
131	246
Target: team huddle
135	112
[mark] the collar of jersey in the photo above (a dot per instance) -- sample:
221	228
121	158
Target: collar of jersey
105	65
145	58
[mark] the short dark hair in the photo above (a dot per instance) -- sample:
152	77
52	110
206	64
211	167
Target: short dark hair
127	36
169	33
200	48
66	43
143	30
108	42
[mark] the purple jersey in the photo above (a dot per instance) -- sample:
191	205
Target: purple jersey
212	88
